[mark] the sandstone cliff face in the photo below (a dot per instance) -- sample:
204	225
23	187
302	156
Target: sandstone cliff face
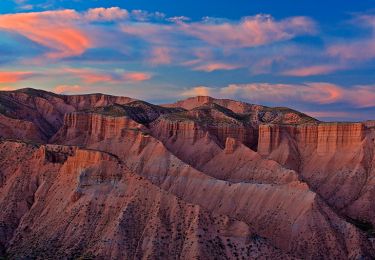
93	127
326	138
206	127
269	138
194	129
334	137
187	130
334	158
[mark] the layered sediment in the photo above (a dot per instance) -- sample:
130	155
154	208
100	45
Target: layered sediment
97	176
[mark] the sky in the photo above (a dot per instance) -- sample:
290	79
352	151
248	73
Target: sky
317	57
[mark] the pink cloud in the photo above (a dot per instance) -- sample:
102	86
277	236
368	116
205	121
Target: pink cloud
52	29
321	93
160	55
359	49
312	70
136	76
91	76
231	36
324	93
14	76
362	96
251	31
216	66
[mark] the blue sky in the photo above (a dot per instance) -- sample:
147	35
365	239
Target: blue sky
313	56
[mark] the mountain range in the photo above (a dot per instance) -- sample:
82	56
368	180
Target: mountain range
105	177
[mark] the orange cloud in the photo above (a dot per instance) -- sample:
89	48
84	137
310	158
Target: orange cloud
13	76
136	76
61	89
7	88
52	29
198	91
312	70
324	93
215	66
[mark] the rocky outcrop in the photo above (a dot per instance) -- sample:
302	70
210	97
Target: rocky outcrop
256	113
81	102
57	153
43	112
235	106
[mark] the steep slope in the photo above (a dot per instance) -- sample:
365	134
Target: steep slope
214	119
279	208
208	122
336	159
62	212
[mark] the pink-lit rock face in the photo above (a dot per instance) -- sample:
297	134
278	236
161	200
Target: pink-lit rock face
335	159
108	177
93	127
337	137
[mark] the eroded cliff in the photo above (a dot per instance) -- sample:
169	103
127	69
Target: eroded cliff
202	178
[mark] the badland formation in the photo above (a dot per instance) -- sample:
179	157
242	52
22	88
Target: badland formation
106	177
